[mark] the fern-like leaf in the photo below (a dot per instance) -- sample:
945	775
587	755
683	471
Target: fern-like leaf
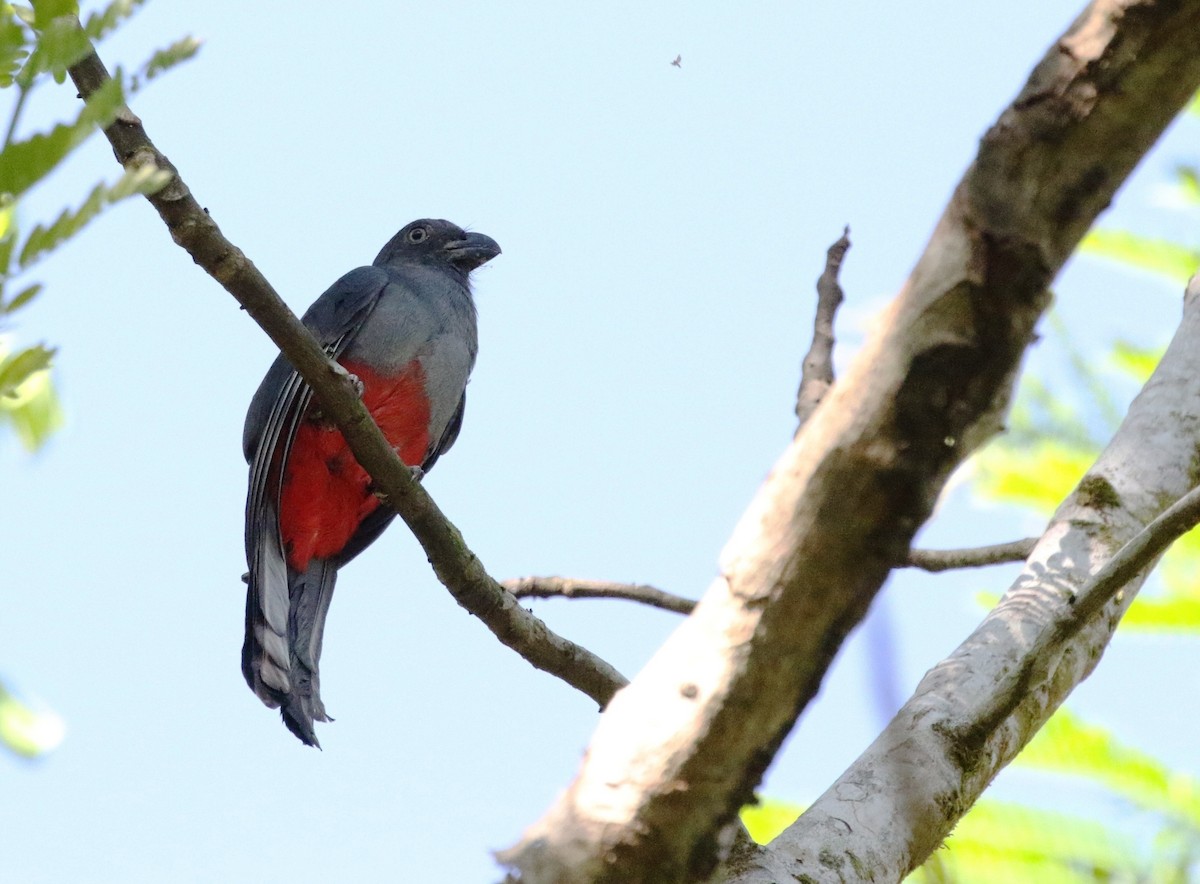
24	163
145	179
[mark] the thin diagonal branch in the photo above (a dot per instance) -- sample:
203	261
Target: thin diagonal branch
22	95
455	565
816	371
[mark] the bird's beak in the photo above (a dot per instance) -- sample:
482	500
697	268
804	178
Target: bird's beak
471	251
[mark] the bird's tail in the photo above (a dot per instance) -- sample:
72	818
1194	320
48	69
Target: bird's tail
265	656
311	592
285	618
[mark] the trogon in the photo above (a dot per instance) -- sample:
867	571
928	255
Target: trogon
405	328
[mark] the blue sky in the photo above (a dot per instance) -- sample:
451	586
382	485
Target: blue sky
640	346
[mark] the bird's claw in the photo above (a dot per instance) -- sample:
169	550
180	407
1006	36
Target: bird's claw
355	380
417	474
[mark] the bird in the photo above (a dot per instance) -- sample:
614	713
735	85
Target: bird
405	328
678	62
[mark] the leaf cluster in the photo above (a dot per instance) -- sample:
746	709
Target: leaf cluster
37	45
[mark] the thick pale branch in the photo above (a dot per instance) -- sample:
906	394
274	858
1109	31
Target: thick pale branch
456	566
816	371
680	749
974	711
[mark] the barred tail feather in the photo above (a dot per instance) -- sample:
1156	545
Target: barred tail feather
265	656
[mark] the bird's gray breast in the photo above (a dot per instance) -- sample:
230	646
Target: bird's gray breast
428	316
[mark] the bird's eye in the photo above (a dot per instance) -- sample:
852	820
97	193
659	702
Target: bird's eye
417	234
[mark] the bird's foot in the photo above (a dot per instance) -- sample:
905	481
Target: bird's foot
355	380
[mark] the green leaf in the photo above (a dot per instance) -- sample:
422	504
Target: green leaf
101	23
1175	856
24	13
766	819
1038	477
22	298
1137	362
1002	843
8	233
1187	181
24	163
1067	745
1171	614
8	208
16	369
1159	256
165	59
1178	568
145	179
59	45
34	412
29	729
45	11
14	45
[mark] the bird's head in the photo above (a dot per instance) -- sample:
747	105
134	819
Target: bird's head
437	242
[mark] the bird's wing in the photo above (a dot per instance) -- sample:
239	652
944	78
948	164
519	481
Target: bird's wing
449	435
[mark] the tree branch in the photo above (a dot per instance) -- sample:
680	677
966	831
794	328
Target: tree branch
974	557
453	562
925	559
816	371
680	750
571	588
974	711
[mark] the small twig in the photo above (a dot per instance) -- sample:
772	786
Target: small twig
22	94
570	588
459	570
975	557
816	372
1145	546
925	559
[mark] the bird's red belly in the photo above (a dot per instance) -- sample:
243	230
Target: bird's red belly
326	494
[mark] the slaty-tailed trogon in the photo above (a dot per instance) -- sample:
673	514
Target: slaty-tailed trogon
405	327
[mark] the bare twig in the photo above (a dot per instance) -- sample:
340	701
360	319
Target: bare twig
925	559
455	565
975	557
570	588
816	372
